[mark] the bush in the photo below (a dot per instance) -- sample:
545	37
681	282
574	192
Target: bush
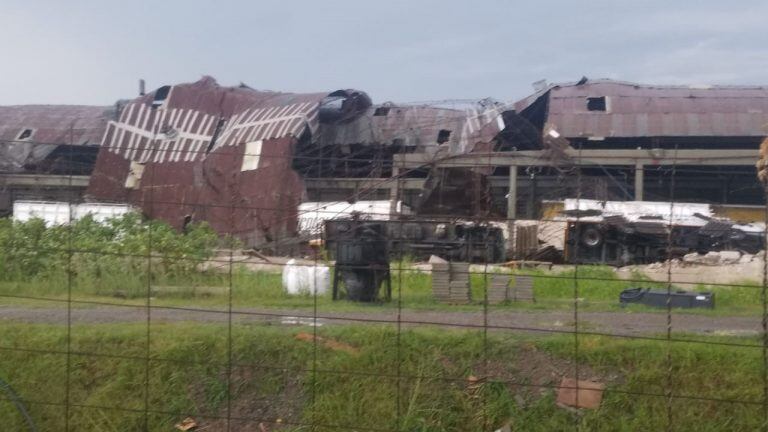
89	250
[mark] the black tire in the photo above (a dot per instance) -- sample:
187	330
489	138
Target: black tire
591	237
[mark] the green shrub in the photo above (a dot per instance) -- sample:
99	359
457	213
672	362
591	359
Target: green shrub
89	251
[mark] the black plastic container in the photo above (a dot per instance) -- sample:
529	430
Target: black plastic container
362	260
658	298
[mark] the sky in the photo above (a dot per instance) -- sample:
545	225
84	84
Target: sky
94	52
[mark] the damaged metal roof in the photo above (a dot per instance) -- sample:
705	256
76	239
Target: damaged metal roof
30	133
606	108
200	151
424	127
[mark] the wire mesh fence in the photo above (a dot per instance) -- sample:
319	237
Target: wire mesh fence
387	320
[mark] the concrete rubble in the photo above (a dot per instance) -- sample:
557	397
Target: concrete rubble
713	267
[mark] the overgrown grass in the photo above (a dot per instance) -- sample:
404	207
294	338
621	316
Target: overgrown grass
111	263
596	288
275	376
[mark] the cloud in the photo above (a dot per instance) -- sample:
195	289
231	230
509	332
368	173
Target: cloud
83	52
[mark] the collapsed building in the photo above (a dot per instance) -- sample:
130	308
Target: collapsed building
240	158
685	125
598	139
246	160
47	152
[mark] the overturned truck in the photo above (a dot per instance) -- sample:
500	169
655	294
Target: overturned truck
454	241
623	233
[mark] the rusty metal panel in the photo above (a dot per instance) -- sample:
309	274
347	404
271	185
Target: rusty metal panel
419	126
188	173
655	111
526	240
49	127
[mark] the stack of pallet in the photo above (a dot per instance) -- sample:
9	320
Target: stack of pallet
498	289
441	280
460	291
450	282
523	290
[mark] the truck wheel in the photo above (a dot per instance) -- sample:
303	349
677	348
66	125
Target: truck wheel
591	237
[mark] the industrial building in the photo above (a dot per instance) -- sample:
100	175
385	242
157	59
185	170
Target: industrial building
244	160
47	152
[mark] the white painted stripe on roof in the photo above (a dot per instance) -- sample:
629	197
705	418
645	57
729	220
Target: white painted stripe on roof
133	144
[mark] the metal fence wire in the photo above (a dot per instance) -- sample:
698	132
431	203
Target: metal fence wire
617	315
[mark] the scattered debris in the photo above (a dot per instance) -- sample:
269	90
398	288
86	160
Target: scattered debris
660	298
580	394
547	253
434	259
187	424
328	343
254	252
622	233
506	428
474	384
302	321
528	264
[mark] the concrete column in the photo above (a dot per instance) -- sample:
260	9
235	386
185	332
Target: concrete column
639	179
512	193
394	190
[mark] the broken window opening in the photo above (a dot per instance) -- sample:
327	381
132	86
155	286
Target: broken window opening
160	96
443	136
251	156
597	104
381	111
25	134
135	172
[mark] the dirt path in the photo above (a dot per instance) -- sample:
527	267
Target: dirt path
614	323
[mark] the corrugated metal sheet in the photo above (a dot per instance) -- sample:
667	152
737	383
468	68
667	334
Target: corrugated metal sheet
49	126
635	110
419	127
639	211
183	174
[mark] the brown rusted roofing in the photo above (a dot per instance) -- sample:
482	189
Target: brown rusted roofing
213	153
418	127
636	110
49	126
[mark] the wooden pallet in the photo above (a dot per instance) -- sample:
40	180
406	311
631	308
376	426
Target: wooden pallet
523	289
498	288
450	282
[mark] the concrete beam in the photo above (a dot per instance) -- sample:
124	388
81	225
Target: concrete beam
365	183
587	158
43	180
